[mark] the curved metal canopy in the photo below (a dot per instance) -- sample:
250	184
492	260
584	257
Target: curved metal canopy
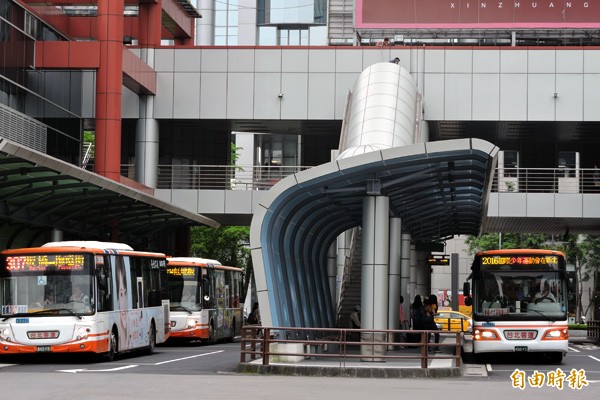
40	193
438	189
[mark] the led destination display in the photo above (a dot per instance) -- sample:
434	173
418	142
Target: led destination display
41	262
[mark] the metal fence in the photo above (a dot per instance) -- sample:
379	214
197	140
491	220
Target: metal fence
340	346
547	180
256	177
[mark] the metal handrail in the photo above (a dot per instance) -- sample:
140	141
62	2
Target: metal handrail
256	343
258	177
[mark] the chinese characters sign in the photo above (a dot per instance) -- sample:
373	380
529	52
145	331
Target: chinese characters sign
481	14
557	379
41	262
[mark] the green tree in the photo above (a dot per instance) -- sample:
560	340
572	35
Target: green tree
494	241
227	244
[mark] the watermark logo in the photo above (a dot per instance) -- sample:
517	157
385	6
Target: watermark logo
557	379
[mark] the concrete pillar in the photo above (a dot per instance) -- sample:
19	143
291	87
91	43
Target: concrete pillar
109	79
146	144
332	273
406	289
205	26
422	272
394	275
375	269
56	235
414	288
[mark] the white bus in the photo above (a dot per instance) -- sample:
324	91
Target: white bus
82	296
205	299
520	302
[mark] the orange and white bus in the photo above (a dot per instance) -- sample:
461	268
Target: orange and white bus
82	296
520	302
205	299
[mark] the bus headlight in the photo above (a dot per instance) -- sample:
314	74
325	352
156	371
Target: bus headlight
485	334
83	332
191	323
557	334
6	334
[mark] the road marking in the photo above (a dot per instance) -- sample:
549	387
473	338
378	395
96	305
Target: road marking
74	371
594	358
573	349
187	358
488	367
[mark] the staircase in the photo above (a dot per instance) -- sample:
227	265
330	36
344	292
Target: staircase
351	284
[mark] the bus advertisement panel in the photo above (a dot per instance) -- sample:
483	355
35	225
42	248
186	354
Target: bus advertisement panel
205	299
519	300
93	297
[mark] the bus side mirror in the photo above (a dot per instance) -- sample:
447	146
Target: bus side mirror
466	289
467	294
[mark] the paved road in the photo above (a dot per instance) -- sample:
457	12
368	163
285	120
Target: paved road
207	372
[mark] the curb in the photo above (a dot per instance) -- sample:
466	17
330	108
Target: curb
350	372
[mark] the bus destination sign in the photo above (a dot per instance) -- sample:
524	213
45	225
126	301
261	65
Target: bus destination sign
41	262
182	271
520	260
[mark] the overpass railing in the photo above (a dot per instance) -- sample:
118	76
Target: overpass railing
547	180
341	346
257	177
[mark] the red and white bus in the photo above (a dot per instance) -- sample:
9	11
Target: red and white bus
205	299
82	296
520	302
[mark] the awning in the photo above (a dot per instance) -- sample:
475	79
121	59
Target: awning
39	193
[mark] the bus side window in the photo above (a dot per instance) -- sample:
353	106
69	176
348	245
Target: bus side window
103	277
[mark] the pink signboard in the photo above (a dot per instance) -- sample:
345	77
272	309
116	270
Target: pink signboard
481	14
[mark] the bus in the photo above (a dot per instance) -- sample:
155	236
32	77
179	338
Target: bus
519	302
82	296
205	299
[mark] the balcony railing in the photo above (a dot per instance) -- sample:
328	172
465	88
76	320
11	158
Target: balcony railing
546	180
253	177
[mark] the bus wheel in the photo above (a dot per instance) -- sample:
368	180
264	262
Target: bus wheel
151	339
555	358
113	345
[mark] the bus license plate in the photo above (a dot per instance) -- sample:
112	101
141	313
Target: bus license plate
521	349
43	349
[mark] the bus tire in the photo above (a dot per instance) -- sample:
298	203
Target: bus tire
151	339
113	346
555	358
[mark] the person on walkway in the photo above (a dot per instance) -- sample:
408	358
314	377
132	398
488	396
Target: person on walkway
254	316
431	308
416	316
395	60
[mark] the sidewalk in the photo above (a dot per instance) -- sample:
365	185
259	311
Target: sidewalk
437	367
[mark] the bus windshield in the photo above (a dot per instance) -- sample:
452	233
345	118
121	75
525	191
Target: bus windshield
184	288
519	288
46	284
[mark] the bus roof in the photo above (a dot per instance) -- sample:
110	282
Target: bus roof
520	251
194	260
81	246
87	244
198	262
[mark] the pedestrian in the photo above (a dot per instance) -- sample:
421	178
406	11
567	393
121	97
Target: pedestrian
416	316
254	316
395	60
430	309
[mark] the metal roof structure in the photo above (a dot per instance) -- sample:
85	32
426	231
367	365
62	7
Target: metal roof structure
438	189
39	193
